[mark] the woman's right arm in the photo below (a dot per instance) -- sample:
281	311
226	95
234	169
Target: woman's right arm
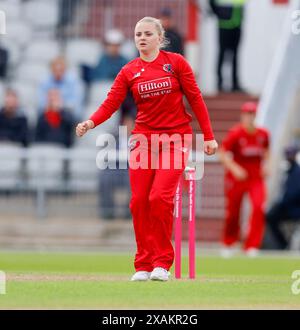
115	97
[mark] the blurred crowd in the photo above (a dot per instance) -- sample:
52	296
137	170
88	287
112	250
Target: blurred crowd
62	96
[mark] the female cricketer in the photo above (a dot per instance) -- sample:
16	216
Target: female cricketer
158	81
245	172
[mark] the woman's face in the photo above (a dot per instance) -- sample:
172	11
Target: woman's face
146	37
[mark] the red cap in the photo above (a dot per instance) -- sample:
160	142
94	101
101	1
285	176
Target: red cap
249	107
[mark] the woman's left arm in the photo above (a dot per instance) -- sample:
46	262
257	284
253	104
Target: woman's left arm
195	99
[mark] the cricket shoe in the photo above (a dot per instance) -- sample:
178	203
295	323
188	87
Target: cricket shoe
252	252
227	252
141	276
159	274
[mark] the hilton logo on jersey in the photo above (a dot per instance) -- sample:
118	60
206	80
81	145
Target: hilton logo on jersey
155	85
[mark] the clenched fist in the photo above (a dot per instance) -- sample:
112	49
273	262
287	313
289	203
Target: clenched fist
83	127
210	147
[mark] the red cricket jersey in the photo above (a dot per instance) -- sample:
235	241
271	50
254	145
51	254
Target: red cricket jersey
247	148
158	88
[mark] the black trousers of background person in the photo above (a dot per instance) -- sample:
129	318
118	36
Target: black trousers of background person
3	62
275	217
109	181
229	40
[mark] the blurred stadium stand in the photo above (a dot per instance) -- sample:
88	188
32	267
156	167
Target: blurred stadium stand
32	182
42	51
83	51
42	14
102	15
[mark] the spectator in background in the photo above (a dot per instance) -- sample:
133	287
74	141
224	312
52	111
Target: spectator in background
230	19
112	179
288	205
55	124
111	62
4	56
13	123
175	40
245	172
70	88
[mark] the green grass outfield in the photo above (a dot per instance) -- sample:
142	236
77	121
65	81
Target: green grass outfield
101	281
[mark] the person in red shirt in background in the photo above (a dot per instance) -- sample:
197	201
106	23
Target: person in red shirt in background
158	81
245	172
55	124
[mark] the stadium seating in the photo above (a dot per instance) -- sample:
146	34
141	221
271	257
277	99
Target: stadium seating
32	72
42	14
42	51
10	165
20	32
83	51
45	166
11	8
98	91
83	169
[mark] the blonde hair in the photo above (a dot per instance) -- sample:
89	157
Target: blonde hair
159	28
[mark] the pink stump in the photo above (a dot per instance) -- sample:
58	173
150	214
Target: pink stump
178	230
192	246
